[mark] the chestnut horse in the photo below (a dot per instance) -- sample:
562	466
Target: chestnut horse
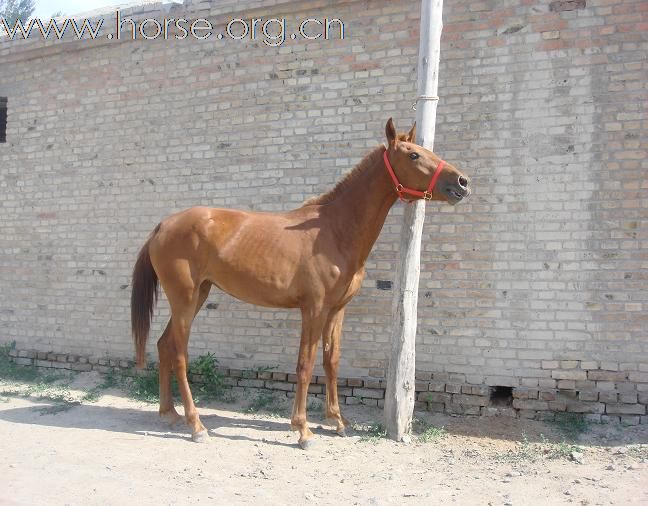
311	258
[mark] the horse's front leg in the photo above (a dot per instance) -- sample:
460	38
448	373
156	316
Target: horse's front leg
312	325
331	344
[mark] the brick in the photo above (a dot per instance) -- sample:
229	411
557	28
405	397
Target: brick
569	374
462	409
423	376
498	411
279	385
588	396
438	397
625	409
630	420
638	377
470	400
525	393
453	389
372	383
565	384
421	386
585	407
607	375
605	386
436	407
81	367
435	386
530	404
608	397
628	398
368	393
251	383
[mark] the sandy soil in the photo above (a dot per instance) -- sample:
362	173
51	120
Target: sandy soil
114	450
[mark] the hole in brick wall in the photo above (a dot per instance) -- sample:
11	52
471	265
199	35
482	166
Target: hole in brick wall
501	396
382	284
3	119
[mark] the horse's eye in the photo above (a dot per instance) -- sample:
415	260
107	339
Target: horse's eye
413	156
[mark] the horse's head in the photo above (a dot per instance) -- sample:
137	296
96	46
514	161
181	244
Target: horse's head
416	168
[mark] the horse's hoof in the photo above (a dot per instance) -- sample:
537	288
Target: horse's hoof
307	444
200	437
341	432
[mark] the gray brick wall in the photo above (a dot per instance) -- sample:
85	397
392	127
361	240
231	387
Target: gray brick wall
538	283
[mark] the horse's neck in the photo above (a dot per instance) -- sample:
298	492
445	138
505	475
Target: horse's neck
360	212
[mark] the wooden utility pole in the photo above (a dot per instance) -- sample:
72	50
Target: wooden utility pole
399	397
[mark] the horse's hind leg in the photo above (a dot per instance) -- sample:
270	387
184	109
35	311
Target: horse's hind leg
166	351
331	356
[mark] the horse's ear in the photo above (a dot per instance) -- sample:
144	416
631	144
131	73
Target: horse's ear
411	135
390	131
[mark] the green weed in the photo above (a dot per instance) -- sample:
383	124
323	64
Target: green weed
371	432
426	432
524	452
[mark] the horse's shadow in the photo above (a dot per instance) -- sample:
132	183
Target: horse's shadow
141	422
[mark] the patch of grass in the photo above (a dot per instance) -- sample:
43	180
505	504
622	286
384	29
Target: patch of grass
531	452
571	425
524	452
13	372
638	451
562	450
426	432
211	385
371	432
145	387
266	402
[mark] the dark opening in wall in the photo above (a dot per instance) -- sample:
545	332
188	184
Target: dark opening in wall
501	396
382	284
3	119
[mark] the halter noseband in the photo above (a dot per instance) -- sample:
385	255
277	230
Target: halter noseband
400	189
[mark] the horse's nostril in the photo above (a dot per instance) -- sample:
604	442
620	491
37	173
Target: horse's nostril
463	182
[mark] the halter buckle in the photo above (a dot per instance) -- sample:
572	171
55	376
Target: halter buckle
399	188
427	195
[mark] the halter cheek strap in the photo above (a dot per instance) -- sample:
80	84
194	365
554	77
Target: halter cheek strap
400	189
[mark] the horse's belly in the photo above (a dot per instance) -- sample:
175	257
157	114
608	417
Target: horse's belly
262	290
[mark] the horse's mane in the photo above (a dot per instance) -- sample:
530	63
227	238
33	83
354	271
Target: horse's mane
350	177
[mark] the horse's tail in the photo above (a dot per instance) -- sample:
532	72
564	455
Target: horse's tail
143	298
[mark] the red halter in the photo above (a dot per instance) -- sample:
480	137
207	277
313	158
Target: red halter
400	189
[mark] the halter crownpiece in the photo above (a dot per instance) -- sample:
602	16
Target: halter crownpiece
400	189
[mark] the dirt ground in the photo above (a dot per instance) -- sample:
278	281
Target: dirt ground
105	448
